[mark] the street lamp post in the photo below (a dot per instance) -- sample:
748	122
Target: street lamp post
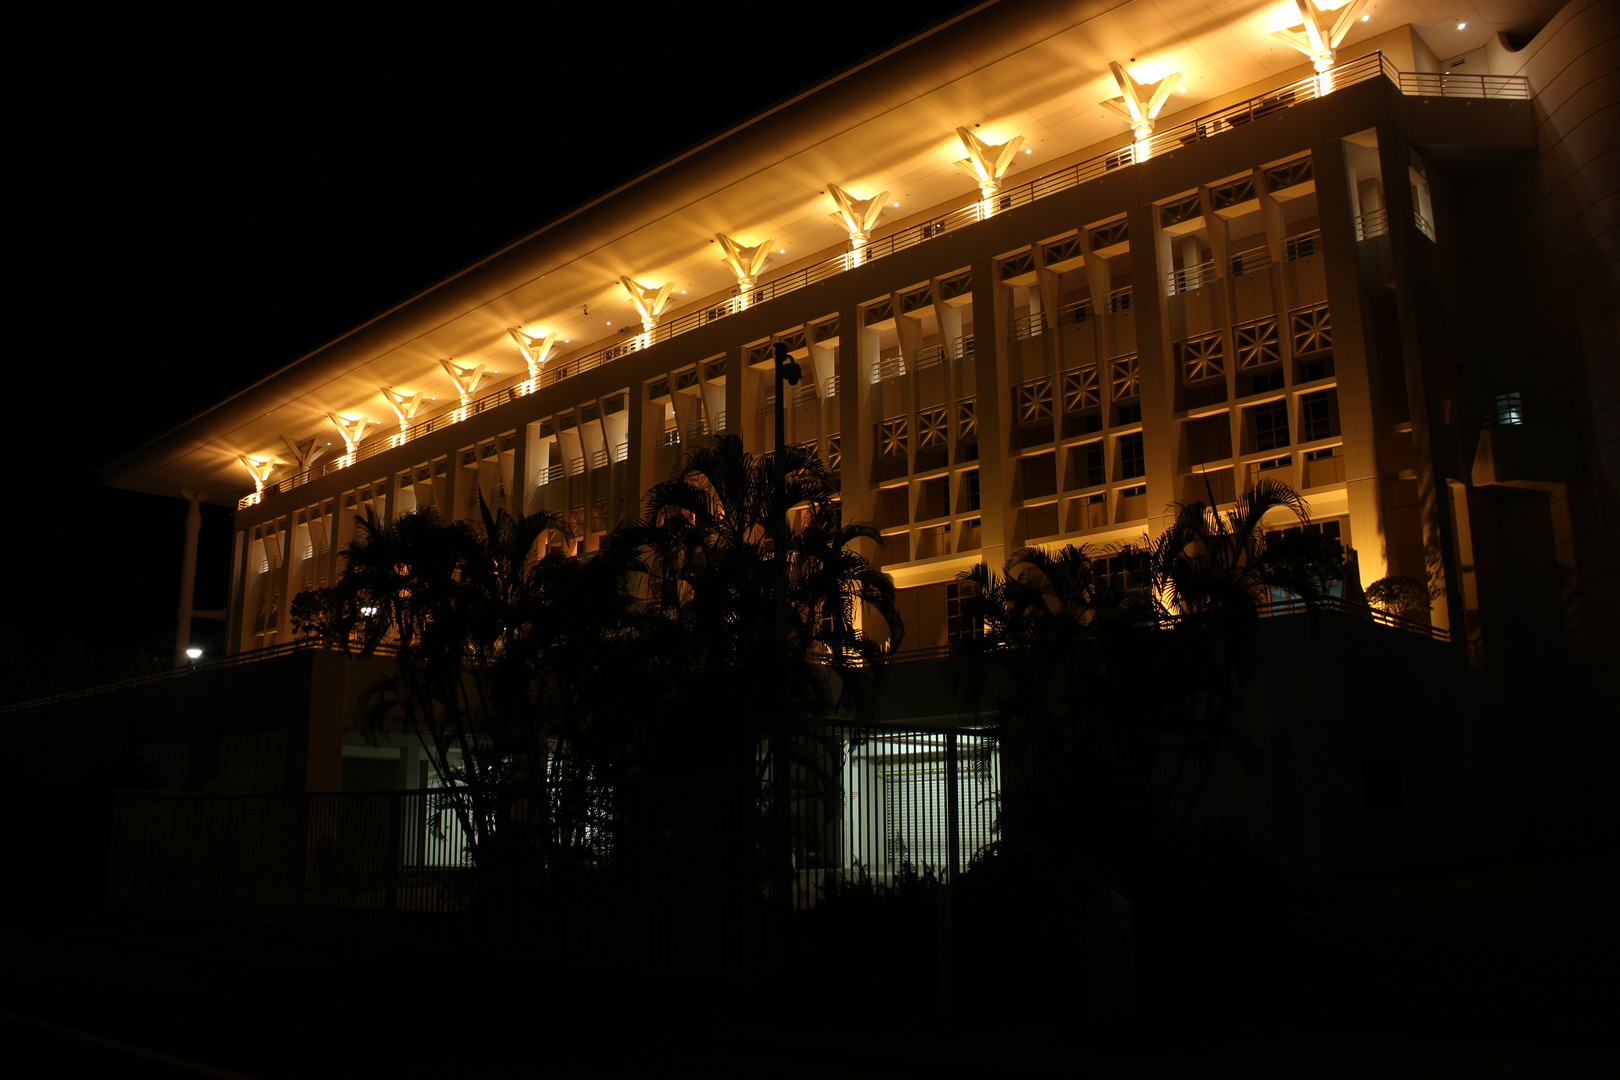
787	374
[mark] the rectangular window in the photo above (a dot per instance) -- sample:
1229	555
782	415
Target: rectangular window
1132	458
958	625
1508	408
1096	475
971	489
1266	381
1316	416
1270	425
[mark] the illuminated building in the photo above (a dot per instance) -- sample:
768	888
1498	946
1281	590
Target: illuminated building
1050	267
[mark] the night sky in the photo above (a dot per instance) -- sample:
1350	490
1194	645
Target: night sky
206	204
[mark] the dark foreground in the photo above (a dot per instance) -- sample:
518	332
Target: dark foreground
1492	969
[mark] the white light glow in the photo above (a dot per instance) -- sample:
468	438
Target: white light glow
194	652
1462	26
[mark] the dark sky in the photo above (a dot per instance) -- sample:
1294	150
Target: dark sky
205	203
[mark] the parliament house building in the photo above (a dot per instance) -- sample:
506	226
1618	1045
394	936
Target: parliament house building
1048	268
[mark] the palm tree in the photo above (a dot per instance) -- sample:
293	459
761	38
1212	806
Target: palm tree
734	701
501	667
1211	574
703	548
1208	562
1111	683
1060	662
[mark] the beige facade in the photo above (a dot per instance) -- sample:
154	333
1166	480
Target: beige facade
1299	273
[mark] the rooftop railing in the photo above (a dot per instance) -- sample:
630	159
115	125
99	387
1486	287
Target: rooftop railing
251	656
1371	66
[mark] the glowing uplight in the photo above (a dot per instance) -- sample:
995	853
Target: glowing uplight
194	653
1462	26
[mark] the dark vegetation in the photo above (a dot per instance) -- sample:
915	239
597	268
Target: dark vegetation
540	685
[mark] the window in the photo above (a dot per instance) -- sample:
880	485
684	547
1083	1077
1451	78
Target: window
1095	474
970	489
1265	382
1130	414
1201	358
892	437
1316	416
959	626
1132	458
1035	401
1508	408
1270	425
1125	376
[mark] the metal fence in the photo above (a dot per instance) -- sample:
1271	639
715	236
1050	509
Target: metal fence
693	873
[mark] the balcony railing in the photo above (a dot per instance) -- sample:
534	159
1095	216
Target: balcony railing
1077	312
1363	69
1451	84
1189	278
1372	223
1247	262
1302	246
1029	326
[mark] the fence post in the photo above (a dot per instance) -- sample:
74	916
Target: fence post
953	839
945	929
391	860
298	853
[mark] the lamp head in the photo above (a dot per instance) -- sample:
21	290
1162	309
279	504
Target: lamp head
787	366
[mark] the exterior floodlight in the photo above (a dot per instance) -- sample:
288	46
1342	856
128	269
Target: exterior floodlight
194	653
368	611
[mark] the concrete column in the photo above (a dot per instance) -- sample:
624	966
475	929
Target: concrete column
188	578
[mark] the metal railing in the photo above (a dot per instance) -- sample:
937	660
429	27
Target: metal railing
1362	69
1372	223
1077	312
1361	611
1424	225
1189	278
1452	84
888	367
1119	300
691	873
248	656
1302	246
1029	326
1247	262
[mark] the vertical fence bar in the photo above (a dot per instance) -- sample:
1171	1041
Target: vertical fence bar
953	847
391	860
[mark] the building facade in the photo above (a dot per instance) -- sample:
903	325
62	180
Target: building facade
1047	268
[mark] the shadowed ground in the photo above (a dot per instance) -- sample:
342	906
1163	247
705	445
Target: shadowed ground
1488	969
